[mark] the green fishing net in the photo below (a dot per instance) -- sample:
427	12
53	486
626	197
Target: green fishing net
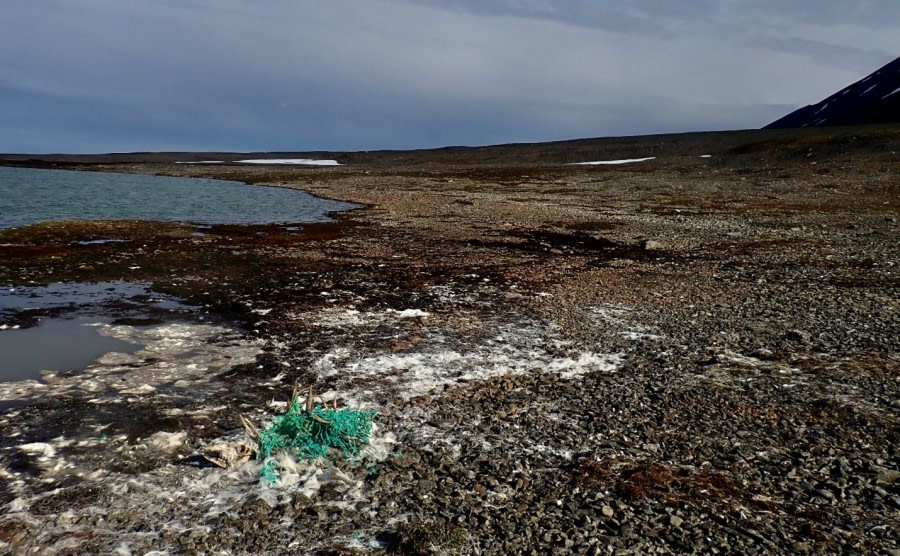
311	434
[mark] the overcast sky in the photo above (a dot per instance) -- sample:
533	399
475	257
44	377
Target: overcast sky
116	75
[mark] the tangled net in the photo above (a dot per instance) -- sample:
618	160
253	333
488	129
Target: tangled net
311	431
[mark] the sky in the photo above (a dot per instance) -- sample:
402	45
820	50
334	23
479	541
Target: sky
83	76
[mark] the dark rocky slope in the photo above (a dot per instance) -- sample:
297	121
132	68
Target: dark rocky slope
875	99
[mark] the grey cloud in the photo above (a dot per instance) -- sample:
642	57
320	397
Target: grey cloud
236	75
660	15
845	57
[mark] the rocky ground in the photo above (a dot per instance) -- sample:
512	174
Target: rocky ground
683	355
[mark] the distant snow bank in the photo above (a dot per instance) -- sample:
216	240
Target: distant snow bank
305	161
622	161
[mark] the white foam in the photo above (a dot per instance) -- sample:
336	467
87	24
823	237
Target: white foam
616	315
468	348
307	479
586	362
514	350
336	317
410	313
299	161
38	449
166	441
609	313
339	317
622	161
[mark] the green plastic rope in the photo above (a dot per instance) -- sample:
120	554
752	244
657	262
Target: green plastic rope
312	434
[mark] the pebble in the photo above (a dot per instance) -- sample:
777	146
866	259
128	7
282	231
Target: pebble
781	446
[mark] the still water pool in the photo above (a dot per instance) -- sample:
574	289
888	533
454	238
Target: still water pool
56	345
29	196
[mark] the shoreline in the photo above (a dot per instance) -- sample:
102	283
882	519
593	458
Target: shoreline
678	355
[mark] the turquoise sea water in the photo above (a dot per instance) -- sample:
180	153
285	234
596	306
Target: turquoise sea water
28	196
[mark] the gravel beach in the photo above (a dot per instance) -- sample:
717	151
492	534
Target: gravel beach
697	353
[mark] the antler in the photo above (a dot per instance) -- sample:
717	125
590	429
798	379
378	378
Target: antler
250	429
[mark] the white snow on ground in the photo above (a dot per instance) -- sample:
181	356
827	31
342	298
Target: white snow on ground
894	92
869	89
303	161
361	376
705	156
622	161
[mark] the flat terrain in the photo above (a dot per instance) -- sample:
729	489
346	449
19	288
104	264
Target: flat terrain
682	355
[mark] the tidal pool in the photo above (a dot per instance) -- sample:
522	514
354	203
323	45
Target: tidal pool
55	345
72	341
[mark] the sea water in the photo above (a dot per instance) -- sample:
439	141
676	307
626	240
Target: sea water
29	196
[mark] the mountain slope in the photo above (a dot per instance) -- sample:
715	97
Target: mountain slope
872	100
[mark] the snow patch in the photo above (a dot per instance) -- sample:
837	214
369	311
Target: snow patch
622	161
299	161
894	92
